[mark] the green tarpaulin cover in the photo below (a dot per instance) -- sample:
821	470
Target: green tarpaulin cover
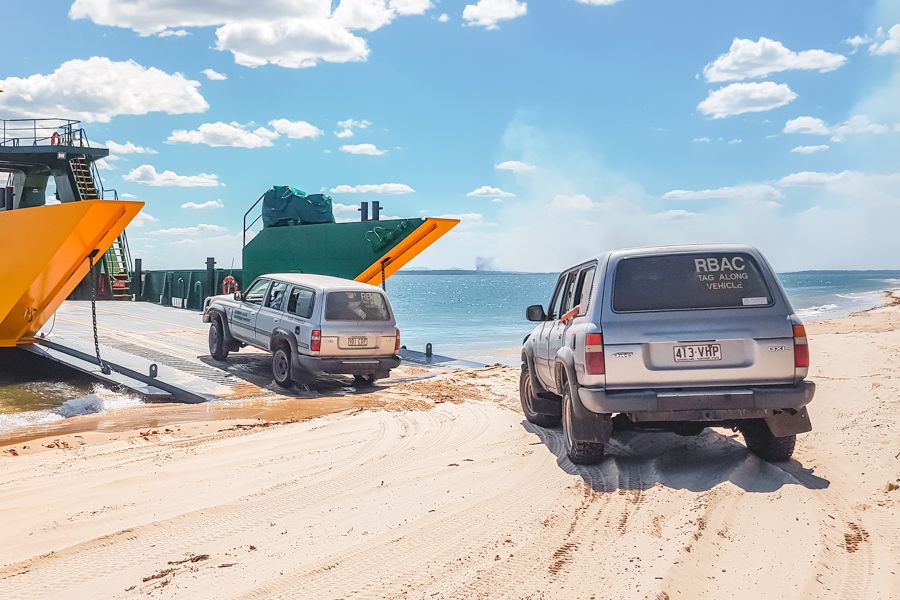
284	205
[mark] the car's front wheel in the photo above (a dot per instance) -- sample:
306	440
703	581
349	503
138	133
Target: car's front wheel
528	399
217	347
281	367
579	452
762	442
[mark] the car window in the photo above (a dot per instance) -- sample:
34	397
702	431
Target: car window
275	299
301	302
553	307
568	299
689	281
356	306
257	291
583	290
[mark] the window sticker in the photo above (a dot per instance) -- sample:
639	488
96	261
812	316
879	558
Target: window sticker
758	301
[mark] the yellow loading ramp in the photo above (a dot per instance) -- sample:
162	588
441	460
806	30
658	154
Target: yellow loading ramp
413	245
43	257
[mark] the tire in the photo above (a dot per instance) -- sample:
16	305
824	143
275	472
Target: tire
761	442
527	396
217	347
281	367
362	381
580	453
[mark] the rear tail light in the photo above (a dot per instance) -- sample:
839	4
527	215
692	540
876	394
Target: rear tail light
594	362
315	341
397	341
801	347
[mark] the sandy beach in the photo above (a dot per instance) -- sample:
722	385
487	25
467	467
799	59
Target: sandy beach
438	488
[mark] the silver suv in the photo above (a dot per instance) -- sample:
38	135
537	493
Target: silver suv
677	339
310	324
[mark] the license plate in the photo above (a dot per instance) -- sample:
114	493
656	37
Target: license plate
357	341
698	352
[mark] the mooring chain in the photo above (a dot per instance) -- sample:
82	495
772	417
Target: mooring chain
104	368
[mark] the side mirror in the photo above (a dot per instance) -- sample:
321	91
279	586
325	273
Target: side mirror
535	312
238	296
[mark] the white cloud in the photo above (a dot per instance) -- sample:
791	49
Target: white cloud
203	205
392	189
701	140
487	13
812	178
292	43
891	45
343	134
348	125
750	192
487	191
220	135
444	18
410	7
148	175
810	125
366	149
104	164
127	148
515	166
296	130
153	16
747	59
214	75
142	219
810	149
857	124
741	98
736	141
195	230
93	90
128	196
576	202
173	33
856	41
674	215
598	2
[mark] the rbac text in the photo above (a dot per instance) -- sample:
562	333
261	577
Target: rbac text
718	265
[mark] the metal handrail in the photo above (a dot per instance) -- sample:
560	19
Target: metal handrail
67	132
246	214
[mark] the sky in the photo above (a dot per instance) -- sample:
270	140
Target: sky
553	129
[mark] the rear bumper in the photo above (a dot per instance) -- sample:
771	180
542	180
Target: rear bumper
349	366
700	404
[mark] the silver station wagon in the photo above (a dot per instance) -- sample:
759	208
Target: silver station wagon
673	339
310	324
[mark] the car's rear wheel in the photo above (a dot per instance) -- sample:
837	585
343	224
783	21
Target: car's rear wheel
579	452
217	347
363	380
762	442
528	398
281	366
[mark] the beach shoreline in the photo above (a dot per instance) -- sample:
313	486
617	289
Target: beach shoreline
435	487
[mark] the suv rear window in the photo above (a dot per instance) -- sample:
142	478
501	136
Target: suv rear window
689	281
356	306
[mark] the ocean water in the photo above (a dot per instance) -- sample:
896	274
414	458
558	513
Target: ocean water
474	315
481	315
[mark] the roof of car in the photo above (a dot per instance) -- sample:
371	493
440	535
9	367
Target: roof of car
321	282
684	248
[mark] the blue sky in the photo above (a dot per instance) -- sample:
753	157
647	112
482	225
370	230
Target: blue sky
629	122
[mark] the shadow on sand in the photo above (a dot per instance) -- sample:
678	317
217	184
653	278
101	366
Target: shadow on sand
638	460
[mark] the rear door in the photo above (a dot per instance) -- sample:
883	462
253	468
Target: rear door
357	323
270	313
572	296
297	318
243	321
695	319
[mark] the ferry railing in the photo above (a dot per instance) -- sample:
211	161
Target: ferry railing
42	132
255	221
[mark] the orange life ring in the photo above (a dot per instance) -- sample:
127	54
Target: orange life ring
229	285
54	139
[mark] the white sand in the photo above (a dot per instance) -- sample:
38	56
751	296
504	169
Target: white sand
446	493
